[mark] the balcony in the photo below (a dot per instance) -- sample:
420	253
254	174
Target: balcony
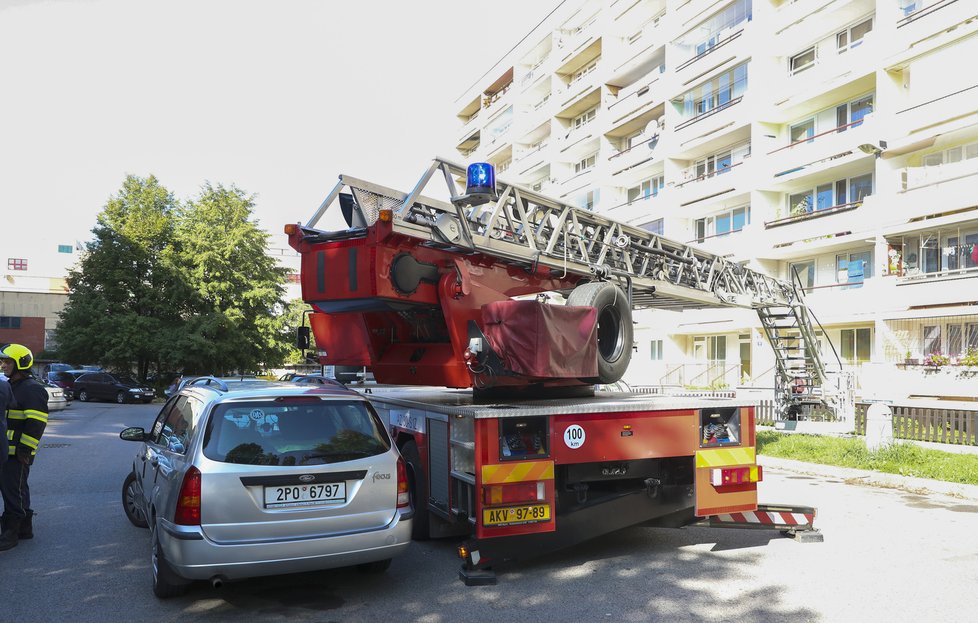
494	102
571	40
641	151
471	127
636	43
943	113
916	178
718	174
800	15
824	151
892	293
636	210
635	98
924	18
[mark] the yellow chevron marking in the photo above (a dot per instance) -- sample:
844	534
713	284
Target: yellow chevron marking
722	457
517	472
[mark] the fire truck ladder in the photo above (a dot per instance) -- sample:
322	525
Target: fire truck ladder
524	227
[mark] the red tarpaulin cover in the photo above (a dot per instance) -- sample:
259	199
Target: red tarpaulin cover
535	339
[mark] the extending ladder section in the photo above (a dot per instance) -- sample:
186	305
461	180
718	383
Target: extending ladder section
523	227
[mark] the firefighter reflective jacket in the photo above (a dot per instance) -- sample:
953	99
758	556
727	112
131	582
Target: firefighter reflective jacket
26	418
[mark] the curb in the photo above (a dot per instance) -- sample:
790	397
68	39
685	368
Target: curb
871	478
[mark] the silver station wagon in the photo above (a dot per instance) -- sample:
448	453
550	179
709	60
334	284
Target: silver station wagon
252	480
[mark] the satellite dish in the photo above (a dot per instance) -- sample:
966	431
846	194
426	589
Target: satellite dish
652	128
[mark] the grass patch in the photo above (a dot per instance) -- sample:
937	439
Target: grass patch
905	459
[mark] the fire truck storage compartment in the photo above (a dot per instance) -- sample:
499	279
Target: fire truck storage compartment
438	464
523	438
720	426
462	441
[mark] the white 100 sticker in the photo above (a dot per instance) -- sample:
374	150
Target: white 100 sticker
574	436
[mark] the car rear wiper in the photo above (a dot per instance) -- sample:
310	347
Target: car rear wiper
334	455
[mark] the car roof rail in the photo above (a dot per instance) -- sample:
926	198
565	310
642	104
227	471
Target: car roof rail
209	381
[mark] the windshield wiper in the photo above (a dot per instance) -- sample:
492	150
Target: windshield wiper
335	454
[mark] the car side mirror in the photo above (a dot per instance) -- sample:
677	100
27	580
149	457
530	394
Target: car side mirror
133	433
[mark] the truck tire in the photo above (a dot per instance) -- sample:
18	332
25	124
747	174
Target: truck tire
419	491
614	326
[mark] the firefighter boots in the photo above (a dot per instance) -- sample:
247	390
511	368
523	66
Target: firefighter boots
11	528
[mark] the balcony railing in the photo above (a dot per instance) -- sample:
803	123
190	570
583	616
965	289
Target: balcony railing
721	42
709	113
913	11
807	216
919	177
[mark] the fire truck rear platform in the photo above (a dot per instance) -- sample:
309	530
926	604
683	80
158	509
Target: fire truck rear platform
519	478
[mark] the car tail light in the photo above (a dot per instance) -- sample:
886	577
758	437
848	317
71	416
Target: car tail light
513	493
403	490
188	503
727	476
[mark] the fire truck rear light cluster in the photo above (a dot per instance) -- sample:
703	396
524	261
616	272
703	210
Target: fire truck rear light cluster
386	216
726	476
514	493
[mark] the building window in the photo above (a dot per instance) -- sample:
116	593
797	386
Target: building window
583	71
648	188
804	271
857	345
722	224
589	199
584	119
830	195
586	164
853	36
715	93
851	113
16	263
853	268
655	227
803	130
800	62
656	350
931	339
718	27
954	154
9	322
65	248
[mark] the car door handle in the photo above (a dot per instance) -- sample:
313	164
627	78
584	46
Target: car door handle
155	462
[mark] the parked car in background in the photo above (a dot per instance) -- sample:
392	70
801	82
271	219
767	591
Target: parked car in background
106	386
56	397
315	379
253	479
65	379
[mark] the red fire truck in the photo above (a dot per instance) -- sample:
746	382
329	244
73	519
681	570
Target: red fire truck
496	413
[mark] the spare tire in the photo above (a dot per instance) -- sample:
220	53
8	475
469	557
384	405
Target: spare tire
614	326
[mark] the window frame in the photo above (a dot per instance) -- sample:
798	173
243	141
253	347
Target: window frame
794	70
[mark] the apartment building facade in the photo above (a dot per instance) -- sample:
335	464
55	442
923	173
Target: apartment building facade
830	141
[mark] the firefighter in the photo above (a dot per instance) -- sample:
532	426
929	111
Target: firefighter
26	419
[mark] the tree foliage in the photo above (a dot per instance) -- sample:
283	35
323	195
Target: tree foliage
164	286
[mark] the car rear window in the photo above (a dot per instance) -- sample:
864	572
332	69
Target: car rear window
303	433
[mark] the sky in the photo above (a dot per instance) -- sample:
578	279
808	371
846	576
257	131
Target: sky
277	97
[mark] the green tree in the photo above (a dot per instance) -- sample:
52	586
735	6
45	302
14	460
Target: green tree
126	301
238	324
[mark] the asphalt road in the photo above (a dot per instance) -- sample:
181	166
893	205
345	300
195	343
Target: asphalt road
889	555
